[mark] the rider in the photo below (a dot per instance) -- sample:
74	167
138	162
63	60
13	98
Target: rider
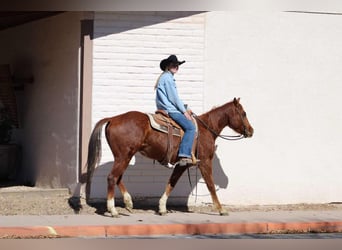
167	99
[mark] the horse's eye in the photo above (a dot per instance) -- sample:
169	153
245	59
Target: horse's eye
244	114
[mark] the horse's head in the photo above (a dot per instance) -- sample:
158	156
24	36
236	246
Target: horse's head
238	120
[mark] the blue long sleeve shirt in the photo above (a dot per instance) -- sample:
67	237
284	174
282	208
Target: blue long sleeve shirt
167	95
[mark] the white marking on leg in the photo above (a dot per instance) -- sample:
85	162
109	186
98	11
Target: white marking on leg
128	201
162	204
111	207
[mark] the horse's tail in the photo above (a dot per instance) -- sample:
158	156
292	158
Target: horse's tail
94	151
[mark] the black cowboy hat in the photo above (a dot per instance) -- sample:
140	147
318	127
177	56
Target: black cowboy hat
167	61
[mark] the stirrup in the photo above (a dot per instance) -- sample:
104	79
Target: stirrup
187	161
183	162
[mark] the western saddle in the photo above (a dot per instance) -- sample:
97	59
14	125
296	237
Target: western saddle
162	122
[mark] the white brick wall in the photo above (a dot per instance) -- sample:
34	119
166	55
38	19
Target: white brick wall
127	50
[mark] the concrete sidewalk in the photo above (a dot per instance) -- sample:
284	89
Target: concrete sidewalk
178	223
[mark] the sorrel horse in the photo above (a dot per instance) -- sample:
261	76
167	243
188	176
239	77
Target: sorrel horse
131	132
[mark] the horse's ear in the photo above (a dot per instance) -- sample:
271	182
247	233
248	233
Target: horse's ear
236	101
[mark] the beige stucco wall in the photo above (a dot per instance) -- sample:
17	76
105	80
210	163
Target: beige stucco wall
286	67
47	49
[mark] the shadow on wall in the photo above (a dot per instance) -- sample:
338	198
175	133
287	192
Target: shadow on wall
123	21
146	181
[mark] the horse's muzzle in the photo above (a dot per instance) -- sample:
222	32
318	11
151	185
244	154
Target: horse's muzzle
248	132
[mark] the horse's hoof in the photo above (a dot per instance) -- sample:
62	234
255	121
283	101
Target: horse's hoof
109	214
115	215
224	213
112	214
162	213
129	209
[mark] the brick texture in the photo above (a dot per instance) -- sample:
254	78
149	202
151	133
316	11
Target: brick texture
127	50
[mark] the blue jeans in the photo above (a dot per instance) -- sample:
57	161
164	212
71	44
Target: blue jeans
189	134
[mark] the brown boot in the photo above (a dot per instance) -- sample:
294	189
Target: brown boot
195	161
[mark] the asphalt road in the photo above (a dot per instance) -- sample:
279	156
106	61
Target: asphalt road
245	236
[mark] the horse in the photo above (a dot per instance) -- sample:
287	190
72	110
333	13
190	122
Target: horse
131	132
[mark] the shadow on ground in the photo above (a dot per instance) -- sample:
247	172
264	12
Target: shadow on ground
78	204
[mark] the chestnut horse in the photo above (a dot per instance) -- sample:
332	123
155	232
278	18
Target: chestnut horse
131	132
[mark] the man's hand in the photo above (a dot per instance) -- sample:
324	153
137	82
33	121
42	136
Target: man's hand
188	114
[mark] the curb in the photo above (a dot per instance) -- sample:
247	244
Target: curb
169	229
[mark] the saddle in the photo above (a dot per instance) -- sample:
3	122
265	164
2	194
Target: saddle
162	122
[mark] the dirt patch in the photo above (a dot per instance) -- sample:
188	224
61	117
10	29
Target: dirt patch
34	201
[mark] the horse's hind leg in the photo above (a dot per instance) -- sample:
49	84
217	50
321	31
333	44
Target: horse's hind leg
110	195
114	178
126	197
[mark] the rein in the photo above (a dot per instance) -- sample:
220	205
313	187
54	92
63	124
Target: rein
225	137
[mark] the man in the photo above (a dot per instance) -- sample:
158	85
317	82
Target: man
167	99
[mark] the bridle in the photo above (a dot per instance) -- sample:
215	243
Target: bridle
225	137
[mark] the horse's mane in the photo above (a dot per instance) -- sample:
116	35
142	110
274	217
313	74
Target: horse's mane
216	108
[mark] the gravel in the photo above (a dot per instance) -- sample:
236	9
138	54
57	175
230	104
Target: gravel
21	200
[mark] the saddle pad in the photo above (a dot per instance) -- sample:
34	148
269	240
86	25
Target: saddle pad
162	128
177	131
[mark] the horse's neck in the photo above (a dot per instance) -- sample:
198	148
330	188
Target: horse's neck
217	118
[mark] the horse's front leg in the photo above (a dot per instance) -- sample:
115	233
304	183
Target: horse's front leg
176	174
206	169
